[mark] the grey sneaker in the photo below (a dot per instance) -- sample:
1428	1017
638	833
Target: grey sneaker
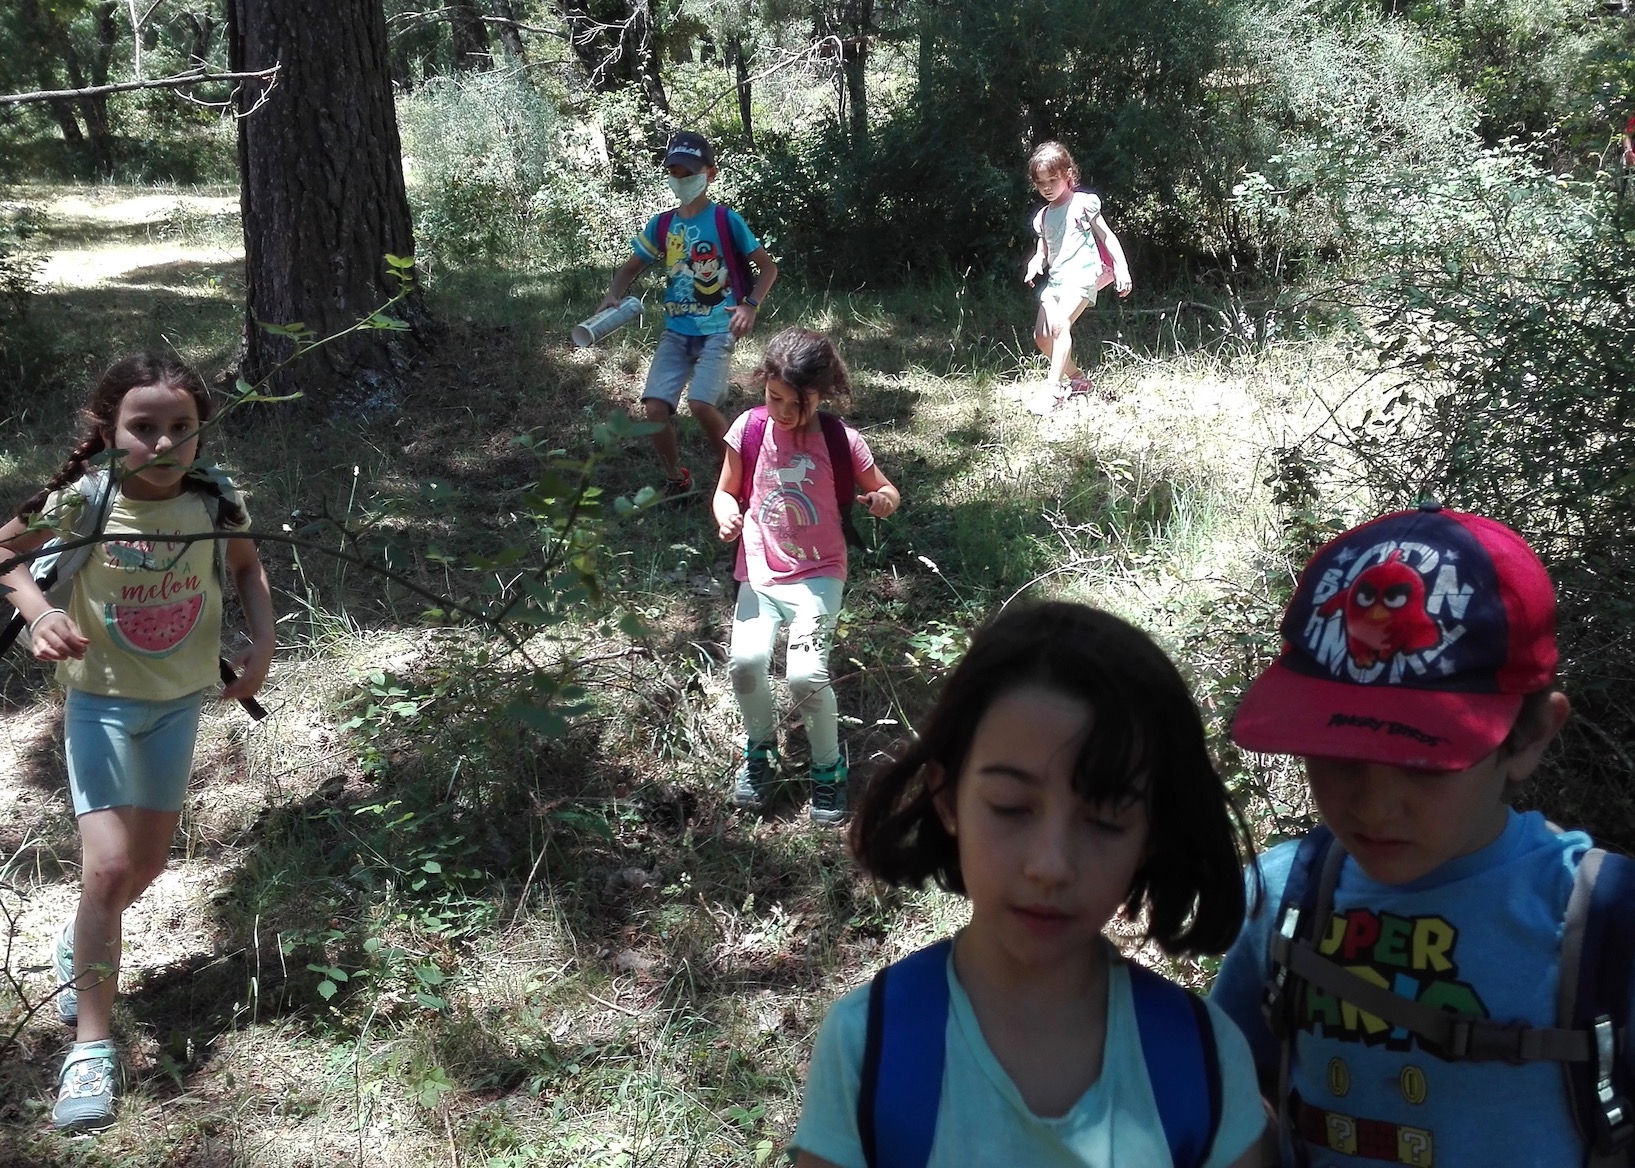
828	794
87	1088
62	961
756	775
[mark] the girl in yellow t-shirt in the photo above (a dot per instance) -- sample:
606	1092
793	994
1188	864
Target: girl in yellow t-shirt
137	651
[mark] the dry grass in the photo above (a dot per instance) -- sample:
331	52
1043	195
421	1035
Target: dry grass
635	971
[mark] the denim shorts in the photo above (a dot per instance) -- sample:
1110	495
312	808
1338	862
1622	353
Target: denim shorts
707	360
125	752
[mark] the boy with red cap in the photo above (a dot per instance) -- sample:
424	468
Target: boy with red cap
1430	977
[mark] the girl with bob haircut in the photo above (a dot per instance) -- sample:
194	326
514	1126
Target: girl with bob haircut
1061	777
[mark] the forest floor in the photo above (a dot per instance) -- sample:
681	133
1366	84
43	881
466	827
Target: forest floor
406	939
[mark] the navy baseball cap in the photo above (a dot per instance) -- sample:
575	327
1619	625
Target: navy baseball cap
690	150
1410	641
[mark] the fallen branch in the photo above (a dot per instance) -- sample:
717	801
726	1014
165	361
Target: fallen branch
180	81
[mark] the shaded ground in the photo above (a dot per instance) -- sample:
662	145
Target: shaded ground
567	951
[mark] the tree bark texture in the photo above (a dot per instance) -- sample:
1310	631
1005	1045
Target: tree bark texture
322	198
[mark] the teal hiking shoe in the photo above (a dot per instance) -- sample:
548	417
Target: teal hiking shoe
756	776
828	794
62	962
87	1087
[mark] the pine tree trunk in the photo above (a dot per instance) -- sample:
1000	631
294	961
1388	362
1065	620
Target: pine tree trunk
510	35
859	18
322	198
470	35
740	71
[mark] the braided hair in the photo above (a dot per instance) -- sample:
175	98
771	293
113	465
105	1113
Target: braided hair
102	414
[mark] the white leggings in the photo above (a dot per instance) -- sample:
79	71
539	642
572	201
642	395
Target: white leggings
811	608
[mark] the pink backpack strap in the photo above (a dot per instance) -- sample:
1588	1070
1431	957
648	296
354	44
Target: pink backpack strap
844	472
737	267
750	453
662	230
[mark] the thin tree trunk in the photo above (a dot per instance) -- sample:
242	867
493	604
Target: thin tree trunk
322	198
740	70
470	34
641	40
510	35
859	18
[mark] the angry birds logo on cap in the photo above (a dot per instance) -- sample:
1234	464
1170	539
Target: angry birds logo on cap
1400	610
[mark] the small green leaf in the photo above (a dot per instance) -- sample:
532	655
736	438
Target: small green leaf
326	989
431	866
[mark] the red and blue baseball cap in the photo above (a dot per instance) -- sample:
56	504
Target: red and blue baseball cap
1411	641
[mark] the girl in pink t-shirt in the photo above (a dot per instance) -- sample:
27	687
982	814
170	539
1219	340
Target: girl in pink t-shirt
792	559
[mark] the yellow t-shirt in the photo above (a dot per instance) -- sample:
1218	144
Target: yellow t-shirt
150	607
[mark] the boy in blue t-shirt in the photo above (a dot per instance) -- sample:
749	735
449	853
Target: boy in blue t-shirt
704	313
1417	681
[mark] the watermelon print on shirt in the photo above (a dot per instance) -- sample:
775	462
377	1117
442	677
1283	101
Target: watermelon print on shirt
149	606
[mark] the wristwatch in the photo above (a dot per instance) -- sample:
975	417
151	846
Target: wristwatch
752	302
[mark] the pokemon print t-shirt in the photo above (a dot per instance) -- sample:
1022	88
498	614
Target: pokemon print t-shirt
792	526
1481	935
151	608
698	287
982	1118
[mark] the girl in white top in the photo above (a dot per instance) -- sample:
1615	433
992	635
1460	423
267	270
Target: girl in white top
1061	778
1071	234
137	650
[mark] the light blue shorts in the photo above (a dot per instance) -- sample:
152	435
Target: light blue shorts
707	360
125	752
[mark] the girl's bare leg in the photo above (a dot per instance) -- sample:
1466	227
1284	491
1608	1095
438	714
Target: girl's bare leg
123	850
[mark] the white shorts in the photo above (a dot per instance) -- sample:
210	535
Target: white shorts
1055	296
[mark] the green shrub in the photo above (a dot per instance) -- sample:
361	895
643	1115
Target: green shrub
941	182
497	172
1507	324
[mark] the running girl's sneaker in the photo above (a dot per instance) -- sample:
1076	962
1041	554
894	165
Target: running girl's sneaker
828	794
87	1087
676	487
62	962
757	775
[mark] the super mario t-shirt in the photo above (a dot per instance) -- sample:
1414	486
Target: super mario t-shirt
698	296
150	607
1481	936
792	527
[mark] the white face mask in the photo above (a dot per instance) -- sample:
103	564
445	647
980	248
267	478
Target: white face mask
689	188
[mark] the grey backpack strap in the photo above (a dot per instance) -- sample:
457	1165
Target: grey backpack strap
1451	1035
97	490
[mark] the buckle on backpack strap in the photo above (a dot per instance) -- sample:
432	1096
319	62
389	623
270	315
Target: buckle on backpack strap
1614	1108
1271	999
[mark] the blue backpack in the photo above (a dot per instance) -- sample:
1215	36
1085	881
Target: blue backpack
1592	999
904	1053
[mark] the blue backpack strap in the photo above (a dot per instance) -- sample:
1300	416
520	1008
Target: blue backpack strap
1597	963
750	453
737	268
903	1056
845	474
1183	1066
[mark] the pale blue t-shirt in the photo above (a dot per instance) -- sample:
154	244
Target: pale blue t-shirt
1481	935
982	1119
698	298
